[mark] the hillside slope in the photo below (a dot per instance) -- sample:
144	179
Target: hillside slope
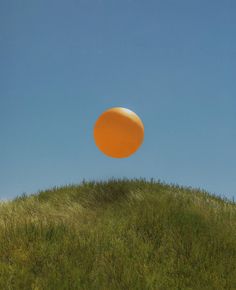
119	234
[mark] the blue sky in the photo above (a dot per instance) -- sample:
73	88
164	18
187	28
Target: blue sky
62	63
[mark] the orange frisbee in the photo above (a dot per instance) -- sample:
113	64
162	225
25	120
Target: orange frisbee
118	132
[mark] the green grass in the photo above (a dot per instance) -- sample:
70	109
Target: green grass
119	234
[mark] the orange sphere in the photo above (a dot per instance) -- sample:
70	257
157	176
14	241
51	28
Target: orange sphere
118	132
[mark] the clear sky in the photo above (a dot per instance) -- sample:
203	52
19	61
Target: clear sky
62	63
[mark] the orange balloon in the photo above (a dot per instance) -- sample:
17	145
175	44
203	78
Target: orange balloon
118	132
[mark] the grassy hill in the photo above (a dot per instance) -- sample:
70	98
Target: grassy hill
119	234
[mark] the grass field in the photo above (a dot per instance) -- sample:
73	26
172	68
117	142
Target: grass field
119	234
